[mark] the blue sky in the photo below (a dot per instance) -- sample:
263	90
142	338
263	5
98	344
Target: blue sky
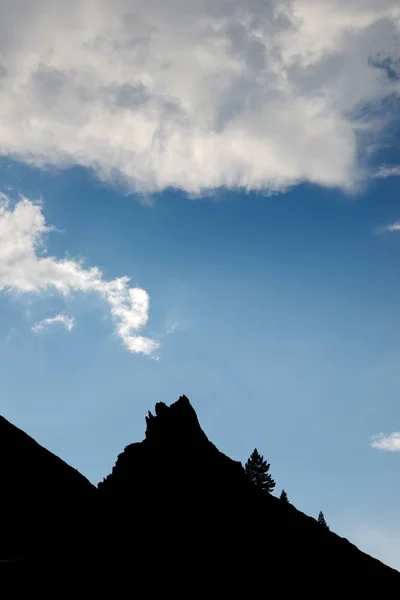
263	249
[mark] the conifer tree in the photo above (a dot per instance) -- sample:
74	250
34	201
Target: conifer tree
257	471
284	497
321	520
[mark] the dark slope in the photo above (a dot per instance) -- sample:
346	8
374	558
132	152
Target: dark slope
185	503
174	516
44	502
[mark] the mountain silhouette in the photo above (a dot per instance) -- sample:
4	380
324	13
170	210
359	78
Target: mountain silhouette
43	501
174	514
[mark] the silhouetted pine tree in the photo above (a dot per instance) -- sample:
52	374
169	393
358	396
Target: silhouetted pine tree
257	471
321	520
284	497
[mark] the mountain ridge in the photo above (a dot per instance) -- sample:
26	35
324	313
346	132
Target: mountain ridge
167	498
164	438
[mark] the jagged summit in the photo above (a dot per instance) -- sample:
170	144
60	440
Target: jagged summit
174	443
179	420
181	406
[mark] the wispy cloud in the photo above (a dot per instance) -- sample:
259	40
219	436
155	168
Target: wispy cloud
197	95
171	326
389	442
68	322
387	171
25	267
393	227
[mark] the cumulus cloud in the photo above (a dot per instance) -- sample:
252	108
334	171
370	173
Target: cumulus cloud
68	322
198	94
25	267
389	442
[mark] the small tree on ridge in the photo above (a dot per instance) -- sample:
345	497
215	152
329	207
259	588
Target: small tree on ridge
284	497
256	469
321	520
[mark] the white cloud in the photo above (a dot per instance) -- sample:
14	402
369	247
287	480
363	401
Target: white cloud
25	267
68	322
387	171
393	227
389	442
198	94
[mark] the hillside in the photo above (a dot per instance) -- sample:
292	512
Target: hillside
44	502
174	506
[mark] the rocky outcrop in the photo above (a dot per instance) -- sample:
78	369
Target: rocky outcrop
191	497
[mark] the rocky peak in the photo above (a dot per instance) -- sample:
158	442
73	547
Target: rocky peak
176	423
